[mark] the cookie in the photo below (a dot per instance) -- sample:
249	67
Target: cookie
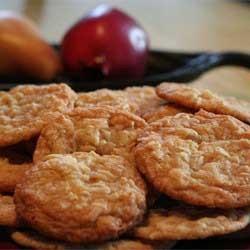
134	244
14	161
202	159
104	130
105	97
144	99
11	174
165	110
7	211
34	240
125	245
83	197
204	99
137	100
189	223
26	108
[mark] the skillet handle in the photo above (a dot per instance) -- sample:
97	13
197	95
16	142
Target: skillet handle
195	66
232	58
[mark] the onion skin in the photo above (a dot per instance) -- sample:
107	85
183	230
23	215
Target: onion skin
23	53
106	40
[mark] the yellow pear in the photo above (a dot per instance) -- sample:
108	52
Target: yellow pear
23	52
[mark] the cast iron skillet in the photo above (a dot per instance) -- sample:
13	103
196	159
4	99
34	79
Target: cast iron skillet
162	66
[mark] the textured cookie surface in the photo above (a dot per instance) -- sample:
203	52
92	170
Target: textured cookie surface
25	109
187	222
14	161
162	111
32	239
137	100
104	130
81	197
126	244
11	174
202	159
7	211
105	97
143	98
204	99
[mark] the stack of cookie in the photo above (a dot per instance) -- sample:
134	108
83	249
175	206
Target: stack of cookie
137	168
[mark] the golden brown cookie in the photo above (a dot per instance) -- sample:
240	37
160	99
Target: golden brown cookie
11	174
104	130
137	100
144	99
32	239
26	108
202	159
105	97
7	211
187	222
14	161
204	99
83	197
125	244
162	111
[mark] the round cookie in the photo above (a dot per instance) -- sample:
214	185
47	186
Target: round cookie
135	244
11	174
83	197
204	99
189	223
14	161
137	100
125	245
34	240
162	111
105	130
144	99
105	97
7	211
26	108
202	159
